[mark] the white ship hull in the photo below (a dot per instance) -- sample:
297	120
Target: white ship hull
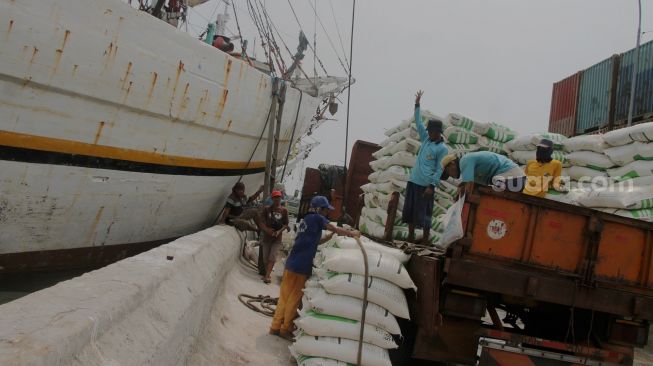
117	131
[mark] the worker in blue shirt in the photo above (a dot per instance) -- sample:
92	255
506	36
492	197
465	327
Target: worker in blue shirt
299	264
486	168
424	176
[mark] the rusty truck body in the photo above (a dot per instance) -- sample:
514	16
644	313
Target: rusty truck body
535	282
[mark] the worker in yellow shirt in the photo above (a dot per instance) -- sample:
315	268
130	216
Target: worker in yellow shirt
544	172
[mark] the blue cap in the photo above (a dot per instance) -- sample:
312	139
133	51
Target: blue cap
320	202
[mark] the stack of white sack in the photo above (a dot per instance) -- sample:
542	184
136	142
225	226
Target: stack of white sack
391	173
523	147
587	157
466	135
630	189
329	323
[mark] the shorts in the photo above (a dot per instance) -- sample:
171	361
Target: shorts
270	250
417	209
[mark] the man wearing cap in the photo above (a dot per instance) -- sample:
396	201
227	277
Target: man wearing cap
299	264
485	168
424	176
543	172
275	221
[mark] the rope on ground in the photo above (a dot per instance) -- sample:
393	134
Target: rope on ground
267	304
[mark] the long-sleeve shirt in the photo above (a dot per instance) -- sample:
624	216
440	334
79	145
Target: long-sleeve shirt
428	165
481	166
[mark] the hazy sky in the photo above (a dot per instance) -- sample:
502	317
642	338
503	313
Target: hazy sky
489	60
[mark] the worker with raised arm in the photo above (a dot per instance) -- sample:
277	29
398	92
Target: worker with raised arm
299	264
485	168
424	176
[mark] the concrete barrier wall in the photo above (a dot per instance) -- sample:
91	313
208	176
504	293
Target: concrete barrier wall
144	310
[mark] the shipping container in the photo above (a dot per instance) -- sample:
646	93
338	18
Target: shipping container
564	105
596	99
643	106
358	171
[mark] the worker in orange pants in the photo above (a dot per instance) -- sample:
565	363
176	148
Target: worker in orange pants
299	264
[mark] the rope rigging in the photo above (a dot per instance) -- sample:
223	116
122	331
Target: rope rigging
333	47
309	45
342	46
351	60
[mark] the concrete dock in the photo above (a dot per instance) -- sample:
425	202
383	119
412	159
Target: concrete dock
151	310
148	310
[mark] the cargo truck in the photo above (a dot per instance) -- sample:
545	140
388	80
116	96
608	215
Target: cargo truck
534	282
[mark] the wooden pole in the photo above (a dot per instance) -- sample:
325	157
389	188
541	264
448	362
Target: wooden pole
270	122
275	150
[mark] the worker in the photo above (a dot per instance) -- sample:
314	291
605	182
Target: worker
543	172
485	168
275	221
424	176
299	264
237	201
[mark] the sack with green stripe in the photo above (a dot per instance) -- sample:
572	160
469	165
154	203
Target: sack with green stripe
500	133
645	214
345	350
590	159
639	168
621	197
324	325
497	147
458	135
349	307
461	149
455	119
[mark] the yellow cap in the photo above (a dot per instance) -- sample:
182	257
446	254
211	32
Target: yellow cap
448	159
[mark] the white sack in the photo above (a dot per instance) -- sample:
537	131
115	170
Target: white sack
350	307
381	292
341	349
325	325
594	143
350	243
590	159
639	168
394	172
622	155
634	198
409	145
500	133
461	121
317	361
379	265
384	151
583	173
458	135
642	132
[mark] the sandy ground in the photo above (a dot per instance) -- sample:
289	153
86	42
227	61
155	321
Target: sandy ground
236	335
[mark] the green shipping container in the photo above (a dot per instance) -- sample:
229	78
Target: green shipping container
596	99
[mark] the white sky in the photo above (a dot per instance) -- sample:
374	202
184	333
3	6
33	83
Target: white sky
489	60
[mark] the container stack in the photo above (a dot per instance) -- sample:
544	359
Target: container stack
329	322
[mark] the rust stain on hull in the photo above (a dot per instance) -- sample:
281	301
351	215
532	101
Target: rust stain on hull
34	53
96	221
184	100
99	132
126	77
227	71
59	53
11	26
221	104
152	85
180	68
200	105
75	69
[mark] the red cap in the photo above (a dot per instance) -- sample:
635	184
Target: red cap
276	194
